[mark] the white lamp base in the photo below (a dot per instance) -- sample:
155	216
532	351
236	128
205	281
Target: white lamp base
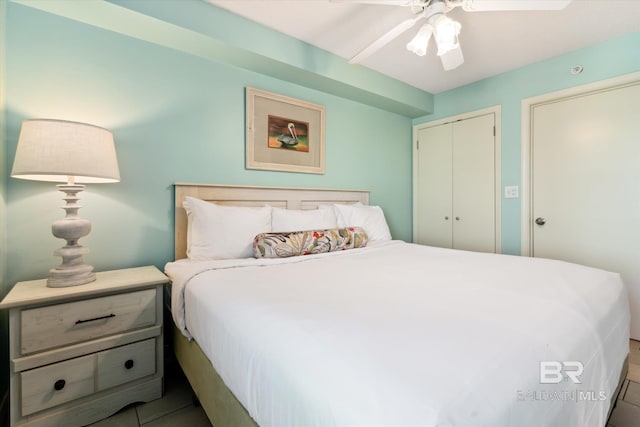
73	271
60	277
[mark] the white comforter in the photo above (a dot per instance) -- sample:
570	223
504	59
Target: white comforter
407	335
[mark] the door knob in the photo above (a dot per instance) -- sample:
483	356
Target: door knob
541	221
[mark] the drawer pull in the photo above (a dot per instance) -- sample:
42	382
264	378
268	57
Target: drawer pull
59	385
128	364
78	322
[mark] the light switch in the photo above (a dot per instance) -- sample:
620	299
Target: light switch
511	192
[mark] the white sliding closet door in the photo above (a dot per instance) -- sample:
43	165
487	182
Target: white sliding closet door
474	184
435	186
455	187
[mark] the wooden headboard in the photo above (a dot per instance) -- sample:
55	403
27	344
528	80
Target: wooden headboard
235	195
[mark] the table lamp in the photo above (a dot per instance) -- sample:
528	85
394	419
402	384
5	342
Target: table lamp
72	153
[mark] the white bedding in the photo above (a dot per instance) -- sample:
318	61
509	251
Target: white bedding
406	335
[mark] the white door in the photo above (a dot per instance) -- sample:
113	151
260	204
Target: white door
455	185
585	176
474	184
433	206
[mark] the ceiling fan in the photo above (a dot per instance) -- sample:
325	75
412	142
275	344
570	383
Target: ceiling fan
444	30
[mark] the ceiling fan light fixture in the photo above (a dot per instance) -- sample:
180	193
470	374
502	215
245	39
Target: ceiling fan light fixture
446	34
420	42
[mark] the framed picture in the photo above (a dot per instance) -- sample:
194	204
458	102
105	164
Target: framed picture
284	134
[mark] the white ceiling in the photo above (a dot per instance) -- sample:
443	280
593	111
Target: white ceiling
492	42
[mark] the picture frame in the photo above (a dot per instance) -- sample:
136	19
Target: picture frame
284	134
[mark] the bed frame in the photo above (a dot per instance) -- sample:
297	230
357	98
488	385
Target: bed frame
219	403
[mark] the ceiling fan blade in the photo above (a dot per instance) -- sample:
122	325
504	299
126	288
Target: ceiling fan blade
452	59
384	39
505	5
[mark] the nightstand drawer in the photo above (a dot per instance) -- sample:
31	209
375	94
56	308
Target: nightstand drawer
61	382
126	363
61	324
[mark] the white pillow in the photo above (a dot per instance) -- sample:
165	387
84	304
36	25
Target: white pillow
371	218
302	220
223	232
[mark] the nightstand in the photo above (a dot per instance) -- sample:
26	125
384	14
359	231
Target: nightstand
81	353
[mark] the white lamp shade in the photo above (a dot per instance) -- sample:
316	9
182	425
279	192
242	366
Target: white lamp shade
53	150
420	42
446	34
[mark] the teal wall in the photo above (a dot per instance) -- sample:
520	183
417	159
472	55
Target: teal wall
3	152
4	359
175	116
605	60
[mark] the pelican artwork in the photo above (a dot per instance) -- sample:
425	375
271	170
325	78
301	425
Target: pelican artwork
291	139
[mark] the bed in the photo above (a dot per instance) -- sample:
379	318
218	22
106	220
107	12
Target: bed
393	334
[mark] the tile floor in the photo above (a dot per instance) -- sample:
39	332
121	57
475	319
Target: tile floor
177	408
627	410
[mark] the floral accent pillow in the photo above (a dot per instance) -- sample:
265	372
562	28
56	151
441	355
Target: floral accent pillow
296	243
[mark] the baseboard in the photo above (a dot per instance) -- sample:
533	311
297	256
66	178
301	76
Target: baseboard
4	409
